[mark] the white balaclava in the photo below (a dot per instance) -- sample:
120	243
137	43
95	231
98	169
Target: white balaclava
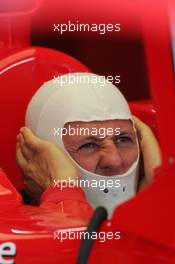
84	97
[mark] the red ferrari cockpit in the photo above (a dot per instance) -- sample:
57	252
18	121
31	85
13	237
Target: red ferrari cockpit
139	56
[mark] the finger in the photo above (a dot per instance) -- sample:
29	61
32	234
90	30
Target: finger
140	125
30	139
144	131
137	130
20	138
21	161
150	149
25	150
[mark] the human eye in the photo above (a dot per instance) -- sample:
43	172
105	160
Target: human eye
123	140
88	147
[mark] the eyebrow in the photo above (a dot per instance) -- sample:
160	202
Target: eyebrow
98	139
92	138
127	132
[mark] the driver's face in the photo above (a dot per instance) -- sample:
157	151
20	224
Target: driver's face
110	155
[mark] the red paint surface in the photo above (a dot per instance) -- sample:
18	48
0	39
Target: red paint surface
147	221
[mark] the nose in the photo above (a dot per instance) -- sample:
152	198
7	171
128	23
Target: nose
110	161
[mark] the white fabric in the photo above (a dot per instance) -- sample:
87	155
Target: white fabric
54	105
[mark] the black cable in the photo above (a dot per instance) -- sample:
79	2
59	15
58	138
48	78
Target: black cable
99	215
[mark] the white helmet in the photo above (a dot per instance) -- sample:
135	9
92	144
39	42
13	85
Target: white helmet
84	97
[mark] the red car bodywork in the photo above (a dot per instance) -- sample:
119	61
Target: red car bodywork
146	222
